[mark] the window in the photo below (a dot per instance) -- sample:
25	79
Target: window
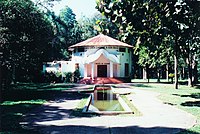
76	66
121	49
81	49
101	47
48	65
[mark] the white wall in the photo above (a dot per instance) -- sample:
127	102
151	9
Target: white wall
125	57
67	66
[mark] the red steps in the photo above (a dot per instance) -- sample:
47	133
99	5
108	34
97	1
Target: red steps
100	80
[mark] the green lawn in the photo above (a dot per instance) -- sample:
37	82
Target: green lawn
185	98
24	97
20	99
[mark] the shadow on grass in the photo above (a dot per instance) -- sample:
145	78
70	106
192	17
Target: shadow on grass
84	129
139	85
127	85
53	86
24	92
197	86
193	95
23	98
191	103
11	115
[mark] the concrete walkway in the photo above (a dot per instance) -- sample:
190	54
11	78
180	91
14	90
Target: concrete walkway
158	118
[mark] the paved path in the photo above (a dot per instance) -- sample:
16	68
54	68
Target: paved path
158	118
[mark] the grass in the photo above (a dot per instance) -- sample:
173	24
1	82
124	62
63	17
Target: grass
20	99
135	111
185	98
11	115
78	111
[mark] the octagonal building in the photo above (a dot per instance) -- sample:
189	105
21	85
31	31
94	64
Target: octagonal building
102	56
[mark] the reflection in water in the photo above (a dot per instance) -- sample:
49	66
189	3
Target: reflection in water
103	99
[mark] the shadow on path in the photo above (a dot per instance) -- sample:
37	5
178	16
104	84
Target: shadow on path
73	129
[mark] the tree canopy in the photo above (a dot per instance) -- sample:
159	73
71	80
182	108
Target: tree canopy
25	36
156	29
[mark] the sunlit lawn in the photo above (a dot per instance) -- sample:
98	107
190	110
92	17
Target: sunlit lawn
185	98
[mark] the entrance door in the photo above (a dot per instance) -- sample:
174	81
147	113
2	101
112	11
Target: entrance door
101	70
126	70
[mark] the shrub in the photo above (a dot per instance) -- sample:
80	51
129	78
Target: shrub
171	75
68	76
76	75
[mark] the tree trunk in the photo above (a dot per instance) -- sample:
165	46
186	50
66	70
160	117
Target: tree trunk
176	64
167	72
175	72
189	61
140	75
144	73
1	82
183	73
147	75
13	74
190	76
195	71
158	74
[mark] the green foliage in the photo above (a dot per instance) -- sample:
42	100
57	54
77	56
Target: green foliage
53	77
68	77
98	23
26	34
71	31
76	75
88	27
106	26
159	30
141	21
171	75
67	32
58	74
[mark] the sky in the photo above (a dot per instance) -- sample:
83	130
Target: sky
79	7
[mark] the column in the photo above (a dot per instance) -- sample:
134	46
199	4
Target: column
92	71
111	69
144	73
118	70
85	71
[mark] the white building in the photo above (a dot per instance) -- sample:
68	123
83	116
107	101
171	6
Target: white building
100	56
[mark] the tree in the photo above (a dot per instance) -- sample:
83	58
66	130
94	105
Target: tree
65	27
26	34
66	31
139	20
87	26
106	26
152	22
183	25
98	23
191	43
70	31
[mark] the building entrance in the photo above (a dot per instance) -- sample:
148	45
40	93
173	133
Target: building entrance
101	70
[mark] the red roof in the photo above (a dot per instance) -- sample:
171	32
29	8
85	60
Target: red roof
100	40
